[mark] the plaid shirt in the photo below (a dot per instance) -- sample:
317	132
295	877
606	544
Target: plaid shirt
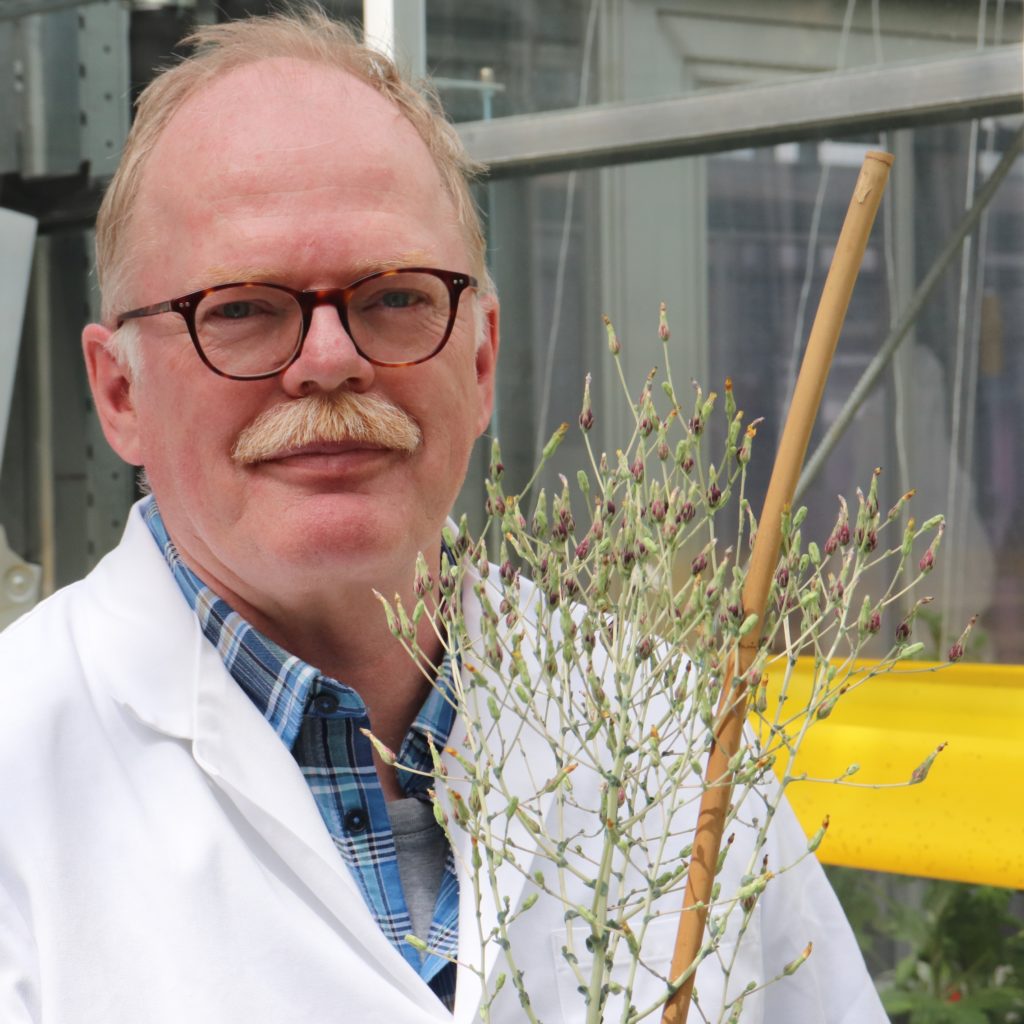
319	720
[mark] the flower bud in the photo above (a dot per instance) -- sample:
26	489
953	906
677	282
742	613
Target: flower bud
920	773
556	439
587	414
613	342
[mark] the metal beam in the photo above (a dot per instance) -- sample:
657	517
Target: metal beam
980	84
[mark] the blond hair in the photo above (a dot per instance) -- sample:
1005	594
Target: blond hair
306	34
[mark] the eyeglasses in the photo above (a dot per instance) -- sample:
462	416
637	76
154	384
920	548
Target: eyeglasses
252	330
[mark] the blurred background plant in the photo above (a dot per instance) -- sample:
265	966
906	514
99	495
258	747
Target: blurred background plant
957	950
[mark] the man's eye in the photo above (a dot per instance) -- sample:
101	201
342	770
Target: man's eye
235	310
399	300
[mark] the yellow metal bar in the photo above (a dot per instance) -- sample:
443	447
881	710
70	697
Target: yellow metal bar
966	821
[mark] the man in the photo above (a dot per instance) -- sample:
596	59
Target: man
299	347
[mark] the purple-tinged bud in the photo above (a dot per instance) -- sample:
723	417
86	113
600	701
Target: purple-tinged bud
735	611
658	510
646	426
831	544
687	511
782	577
743	455
644	649
699	564
874	623
499	468
696	425
582	548
956	652
663	451
663	331
927	561
586	415
920	773
843	535
507	572
637	469
610	508
872	540
903	632
687	464
714	495
554	597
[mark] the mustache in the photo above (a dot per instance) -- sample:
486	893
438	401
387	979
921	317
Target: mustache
339	417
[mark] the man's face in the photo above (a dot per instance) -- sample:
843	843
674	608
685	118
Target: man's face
291	173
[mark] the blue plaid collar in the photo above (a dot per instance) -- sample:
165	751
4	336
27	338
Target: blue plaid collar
279	683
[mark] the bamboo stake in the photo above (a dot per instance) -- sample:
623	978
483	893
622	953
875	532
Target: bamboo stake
732	708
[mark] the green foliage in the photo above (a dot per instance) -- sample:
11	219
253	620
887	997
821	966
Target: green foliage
962	949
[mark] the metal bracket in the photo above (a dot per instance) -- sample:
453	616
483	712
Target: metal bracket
19	583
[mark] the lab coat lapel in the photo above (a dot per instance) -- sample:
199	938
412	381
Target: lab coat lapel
173	680
237	748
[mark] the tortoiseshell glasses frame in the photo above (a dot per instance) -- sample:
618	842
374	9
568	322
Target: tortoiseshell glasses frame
276	306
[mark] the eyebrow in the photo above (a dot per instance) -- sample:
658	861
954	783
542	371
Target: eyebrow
220	274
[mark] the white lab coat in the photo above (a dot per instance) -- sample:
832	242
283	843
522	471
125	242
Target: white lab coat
162	859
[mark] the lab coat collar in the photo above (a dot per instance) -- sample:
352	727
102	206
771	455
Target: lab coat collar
170	678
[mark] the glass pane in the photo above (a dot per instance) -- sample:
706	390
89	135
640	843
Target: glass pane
543	56
738	245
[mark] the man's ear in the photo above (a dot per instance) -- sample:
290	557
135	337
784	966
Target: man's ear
487	359
113	393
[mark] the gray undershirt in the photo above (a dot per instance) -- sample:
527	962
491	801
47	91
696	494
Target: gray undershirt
421	848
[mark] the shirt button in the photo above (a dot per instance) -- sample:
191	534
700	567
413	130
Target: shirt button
326	703
356	821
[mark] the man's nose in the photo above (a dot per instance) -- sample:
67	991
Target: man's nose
329	359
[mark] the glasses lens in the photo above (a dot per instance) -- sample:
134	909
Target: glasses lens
400	318
248	329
